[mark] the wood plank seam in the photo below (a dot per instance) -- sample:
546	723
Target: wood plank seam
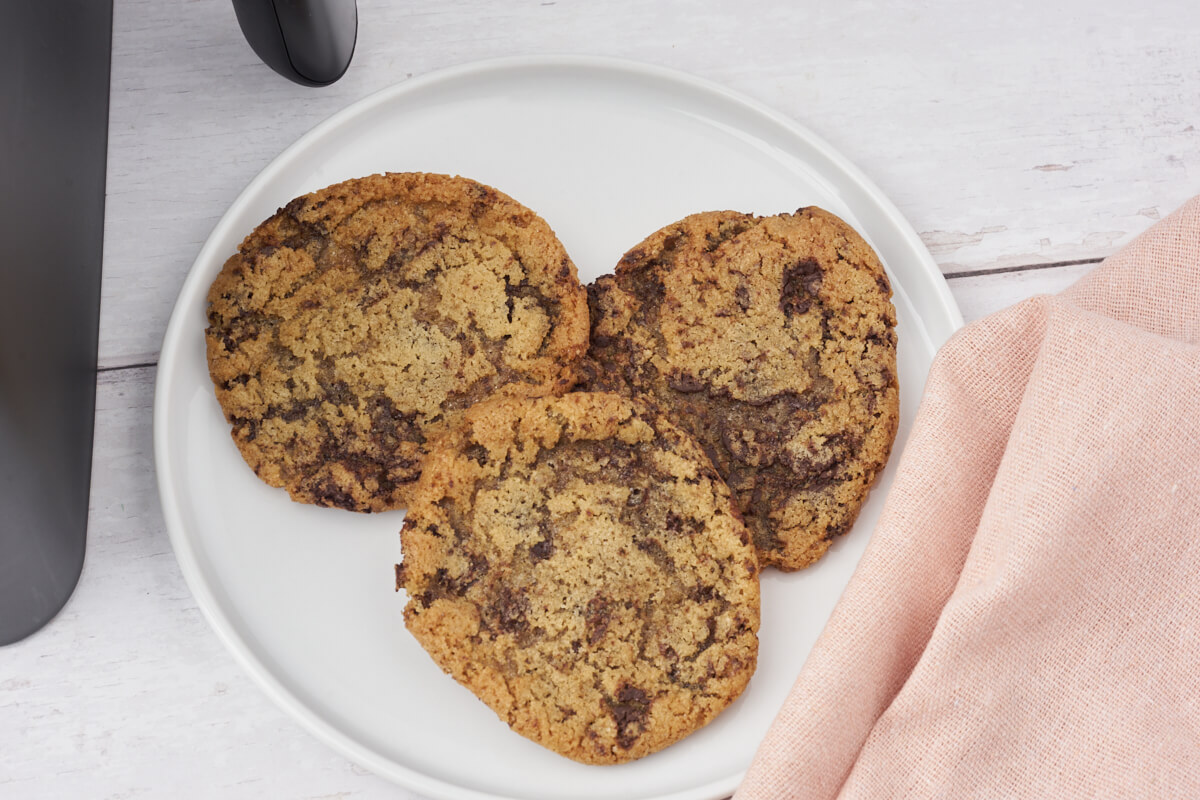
139	365
975	273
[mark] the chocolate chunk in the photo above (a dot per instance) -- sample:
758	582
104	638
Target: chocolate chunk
477	453
443	584
687	384
597	618
331	495
510	610
545	548
743	297
656	551
629	709
801	282
680	525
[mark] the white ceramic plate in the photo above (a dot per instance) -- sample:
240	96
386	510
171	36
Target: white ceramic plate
607	152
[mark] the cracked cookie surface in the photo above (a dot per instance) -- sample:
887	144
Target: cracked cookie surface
577	563
772	340
359	321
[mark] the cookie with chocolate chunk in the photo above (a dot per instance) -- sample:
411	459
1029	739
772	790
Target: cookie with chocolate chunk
772	340
577	563
359	321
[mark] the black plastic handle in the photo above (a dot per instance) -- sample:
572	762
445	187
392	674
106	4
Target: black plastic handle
308	41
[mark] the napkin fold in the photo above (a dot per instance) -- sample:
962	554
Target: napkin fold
1025	621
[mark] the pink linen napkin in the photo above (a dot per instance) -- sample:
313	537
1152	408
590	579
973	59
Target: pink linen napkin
1026	619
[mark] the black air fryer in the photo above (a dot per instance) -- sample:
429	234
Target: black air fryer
54	69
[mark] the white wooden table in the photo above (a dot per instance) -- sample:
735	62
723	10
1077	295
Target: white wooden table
1024	143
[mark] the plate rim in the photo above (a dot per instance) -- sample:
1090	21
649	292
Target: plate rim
180	541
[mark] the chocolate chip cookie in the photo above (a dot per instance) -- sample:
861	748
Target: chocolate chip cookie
772	340
577	563
359	321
